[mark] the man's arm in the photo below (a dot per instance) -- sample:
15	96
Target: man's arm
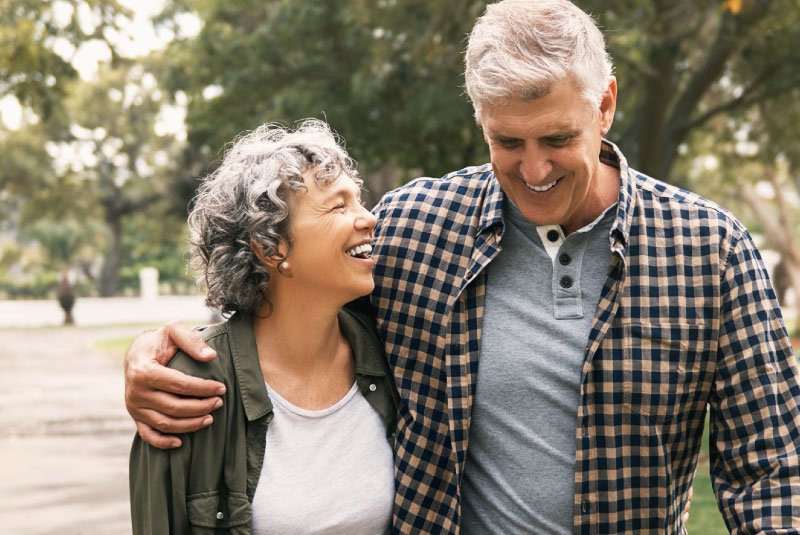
162	400
755	404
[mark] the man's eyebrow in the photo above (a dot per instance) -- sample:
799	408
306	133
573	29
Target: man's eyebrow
564	132
501	137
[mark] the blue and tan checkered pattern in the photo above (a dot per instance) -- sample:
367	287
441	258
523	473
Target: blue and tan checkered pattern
687	320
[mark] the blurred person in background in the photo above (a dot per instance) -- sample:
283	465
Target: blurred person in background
302	445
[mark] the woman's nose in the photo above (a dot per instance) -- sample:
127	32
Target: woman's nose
365	219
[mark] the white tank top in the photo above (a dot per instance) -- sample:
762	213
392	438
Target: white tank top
325	472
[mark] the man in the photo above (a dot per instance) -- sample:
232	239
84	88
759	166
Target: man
558	323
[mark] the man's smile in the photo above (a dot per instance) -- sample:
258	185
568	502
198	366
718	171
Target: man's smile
546	187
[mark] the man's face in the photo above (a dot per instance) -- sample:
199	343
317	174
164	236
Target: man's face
545	155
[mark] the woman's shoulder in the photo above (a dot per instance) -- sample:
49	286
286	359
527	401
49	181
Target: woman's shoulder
217	337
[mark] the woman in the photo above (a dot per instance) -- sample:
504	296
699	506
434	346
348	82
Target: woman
302	442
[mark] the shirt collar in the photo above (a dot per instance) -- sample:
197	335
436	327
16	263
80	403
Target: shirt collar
621	227
364	341
492	213
610	154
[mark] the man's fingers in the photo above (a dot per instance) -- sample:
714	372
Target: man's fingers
167	424
189	341
169	380
175	406
688	505
154	438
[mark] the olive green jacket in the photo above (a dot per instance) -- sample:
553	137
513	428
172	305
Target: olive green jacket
207	485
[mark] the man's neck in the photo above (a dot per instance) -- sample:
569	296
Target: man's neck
604	195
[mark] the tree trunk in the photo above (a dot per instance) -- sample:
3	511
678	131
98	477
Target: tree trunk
379	182
109	277
653	135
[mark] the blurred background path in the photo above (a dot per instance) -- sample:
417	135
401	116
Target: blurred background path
64	431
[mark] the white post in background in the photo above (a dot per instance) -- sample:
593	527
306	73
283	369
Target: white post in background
148	282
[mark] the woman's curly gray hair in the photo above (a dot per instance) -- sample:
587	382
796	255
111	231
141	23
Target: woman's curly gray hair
242	210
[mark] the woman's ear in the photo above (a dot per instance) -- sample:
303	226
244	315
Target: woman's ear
276	259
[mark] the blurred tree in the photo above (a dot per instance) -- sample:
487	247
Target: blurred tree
387	74
384	74
24	166
682	63
38	39
84	149
772	187
65	244
115	165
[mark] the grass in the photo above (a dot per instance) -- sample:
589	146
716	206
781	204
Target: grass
114	347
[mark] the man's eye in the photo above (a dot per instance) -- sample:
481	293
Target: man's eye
339	207
508	143
559	140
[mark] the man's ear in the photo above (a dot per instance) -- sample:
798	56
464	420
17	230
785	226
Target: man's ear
608	106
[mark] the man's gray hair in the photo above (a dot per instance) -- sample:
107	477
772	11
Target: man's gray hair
243	209
520	49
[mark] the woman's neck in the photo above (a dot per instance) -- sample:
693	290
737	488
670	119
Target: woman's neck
304	356
297	334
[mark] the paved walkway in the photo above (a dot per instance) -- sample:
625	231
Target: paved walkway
64	433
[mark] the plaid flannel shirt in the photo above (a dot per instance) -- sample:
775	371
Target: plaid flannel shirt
687	320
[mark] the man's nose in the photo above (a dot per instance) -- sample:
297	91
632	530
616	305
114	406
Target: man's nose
536	166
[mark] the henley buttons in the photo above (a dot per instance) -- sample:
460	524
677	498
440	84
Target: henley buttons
565	259
552	235
220	516
566	282
372	387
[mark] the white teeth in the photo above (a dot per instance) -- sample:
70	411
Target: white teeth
546	187
360	249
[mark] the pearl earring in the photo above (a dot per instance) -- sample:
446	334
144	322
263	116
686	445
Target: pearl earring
285	266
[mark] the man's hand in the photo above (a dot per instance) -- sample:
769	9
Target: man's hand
153	391
688	505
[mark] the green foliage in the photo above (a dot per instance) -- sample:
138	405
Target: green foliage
158	242
386	75
30	66
681	64
63	242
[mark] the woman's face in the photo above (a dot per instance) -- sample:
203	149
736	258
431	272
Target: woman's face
332	231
